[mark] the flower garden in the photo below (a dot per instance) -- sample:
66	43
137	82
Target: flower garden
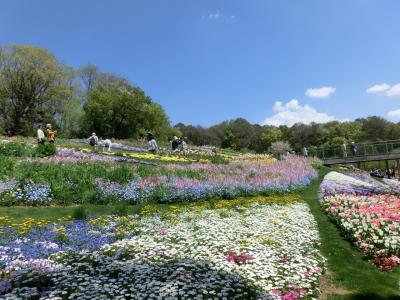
202	226
368	212
259	251
234	228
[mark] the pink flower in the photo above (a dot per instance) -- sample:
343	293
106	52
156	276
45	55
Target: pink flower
290	295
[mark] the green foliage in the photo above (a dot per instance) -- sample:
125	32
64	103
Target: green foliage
120	110
79	213
14	149
121	209
280	148
44	150
32	86
7	166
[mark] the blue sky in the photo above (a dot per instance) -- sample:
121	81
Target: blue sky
207	61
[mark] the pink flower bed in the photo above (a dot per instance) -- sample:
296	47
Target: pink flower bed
371	221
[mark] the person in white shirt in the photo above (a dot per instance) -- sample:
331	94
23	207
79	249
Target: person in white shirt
93	140
40	136
107	145
153	147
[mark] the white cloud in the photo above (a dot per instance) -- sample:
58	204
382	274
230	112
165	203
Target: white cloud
293	112
394	90
394	113
378	88
214	16
385	89
322	92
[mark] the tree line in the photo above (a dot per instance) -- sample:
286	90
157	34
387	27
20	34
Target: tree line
239	134
36	88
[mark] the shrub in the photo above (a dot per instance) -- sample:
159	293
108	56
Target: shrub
14	149
121	209
79	213
280	148
7	166
45	150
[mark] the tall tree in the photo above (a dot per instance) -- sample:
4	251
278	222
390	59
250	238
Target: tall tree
32	84
117	109
89	76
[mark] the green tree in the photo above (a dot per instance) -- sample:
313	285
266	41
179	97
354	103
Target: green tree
117	109
33	85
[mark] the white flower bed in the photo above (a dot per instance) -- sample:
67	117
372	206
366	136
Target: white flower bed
264	252
344	179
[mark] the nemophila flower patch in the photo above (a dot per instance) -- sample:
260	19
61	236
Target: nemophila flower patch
104	183
371	220
263	252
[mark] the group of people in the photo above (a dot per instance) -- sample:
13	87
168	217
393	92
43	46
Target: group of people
50	134
179	144
94	142
353	147
390	173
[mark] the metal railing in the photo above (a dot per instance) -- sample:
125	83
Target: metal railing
362	149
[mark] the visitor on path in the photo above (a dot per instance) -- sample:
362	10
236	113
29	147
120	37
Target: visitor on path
93	140
344	150
353	148
51	134
183	146
40	136
305	151
107	145
153	147
175	143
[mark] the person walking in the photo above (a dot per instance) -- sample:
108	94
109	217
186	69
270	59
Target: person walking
51	134
40	136
183	146
93	140
153	147
353	148
175	143
344	150
305	151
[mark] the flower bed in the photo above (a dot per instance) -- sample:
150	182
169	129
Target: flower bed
265	251
219	181
338	183
366	216
166	183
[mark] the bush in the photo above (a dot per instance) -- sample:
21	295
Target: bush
45	150
79	213
7	166
121	209
280	148
15	149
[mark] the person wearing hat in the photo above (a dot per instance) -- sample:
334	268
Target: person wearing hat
93	140
51	134
175	143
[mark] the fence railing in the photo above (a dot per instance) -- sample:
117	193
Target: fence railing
360	149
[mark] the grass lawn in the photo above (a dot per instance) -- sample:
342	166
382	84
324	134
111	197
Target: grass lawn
350	276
